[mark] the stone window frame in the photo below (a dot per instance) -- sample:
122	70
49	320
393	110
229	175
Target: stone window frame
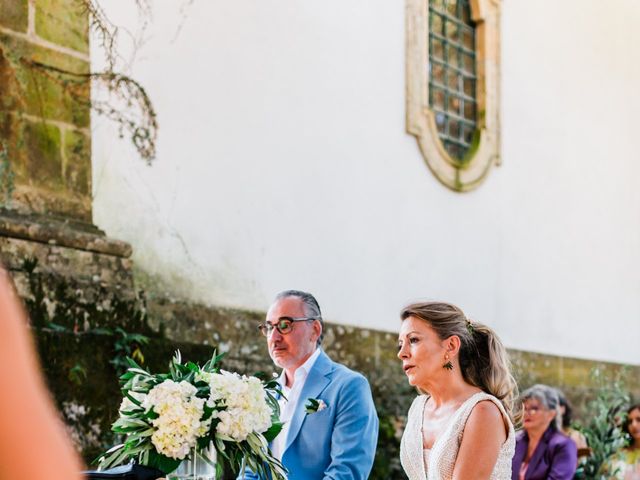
456	175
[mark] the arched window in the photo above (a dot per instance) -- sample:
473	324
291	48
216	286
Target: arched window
452	74
452	87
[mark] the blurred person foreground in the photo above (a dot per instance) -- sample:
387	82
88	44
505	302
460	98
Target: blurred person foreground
33	441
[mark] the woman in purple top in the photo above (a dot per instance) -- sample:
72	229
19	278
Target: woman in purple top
543	452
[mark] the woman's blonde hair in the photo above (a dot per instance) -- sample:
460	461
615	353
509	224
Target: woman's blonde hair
484	362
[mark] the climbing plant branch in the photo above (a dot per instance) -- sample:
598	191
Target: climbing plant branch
126	102
105	31
138	118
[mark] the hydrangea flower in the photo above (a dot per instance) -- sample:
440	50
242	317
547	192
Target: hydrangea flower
178	425
246	410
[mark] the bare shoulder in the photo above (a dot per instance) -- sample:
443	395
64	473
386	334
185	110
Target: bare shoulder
486	417
484	434
486	409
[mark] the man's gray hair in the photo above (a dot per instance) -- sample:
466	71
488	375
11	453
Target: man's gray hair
548	397
309	304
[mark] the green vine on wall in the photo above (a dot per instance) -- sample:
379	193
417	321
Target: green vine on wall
139	119
126	345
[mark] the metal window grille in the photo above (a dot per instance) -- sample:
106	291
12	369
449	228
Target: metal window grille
452	74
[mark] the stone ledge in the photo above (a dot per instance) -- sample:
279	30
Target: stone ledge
61	232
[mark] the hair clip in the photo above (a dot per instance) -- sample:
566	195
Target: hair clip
469	325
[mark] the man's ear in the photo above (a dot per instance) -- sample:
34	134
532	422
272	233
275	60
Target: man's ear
317	329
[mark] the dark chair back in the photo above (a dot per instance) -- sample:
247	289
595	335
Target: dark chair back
125	472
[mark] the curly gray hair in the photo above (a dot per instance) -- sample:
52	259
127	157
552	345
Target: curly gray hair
548	398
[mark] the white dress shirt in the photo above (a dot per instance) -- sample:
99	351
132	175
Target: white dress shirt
288	406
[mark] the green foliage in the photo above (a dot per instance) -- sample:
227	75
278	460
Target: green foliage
127	345
386	466
603	430
77	374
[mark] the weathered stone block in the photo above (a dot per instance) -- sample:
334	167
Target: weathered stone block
12	137
20	48
77	169
75	289
29	89
64	22
68	264
35	159
27	198
44	92
44	159
232	331
9	87
15	14
80	237
47	97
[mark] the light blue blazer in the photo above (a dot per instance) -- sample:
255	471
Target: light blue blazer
339	442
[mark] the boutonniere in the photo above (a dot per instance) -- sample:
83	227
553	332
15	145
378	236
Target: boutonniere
314	405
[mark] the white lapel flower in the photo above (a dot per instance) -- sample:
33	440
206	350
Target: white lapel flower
314	405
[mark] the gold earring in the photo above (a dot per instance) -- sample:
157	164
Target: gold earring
448	365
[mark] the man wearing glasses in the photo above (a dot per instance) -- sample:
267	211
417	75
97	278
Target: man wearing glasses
330	422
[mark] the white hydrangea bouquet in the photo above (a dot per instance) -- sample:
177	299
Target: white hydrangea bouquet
205	411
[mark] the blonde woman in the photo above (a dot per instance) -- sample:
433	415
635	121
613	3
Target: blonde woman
460	427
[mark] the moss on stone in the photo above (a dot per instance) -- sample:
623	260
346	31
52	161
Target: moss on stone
472	150
23	48
42	93
9	87
77	171
12	134
44	160
63	22
15	14
46	97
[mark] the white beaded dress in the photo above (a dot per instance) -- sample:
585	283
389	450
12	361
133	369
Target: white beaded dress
439	462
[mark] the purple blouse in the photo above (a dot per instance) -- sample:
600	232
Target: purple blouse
555	457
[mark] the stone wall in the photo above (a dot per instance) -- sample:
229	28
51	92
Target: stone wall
44	113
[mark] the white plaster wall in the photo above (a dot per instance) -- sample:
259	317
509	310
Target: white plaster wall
283	162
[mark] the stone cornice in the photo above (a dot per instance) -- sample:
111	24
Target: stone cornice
62	232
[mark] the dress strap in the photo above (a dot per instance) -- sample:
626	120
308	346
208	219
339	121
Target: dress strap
411	451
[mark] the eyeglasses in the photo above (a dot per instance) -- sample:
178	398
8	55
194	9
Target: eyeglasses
532	410
284	325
